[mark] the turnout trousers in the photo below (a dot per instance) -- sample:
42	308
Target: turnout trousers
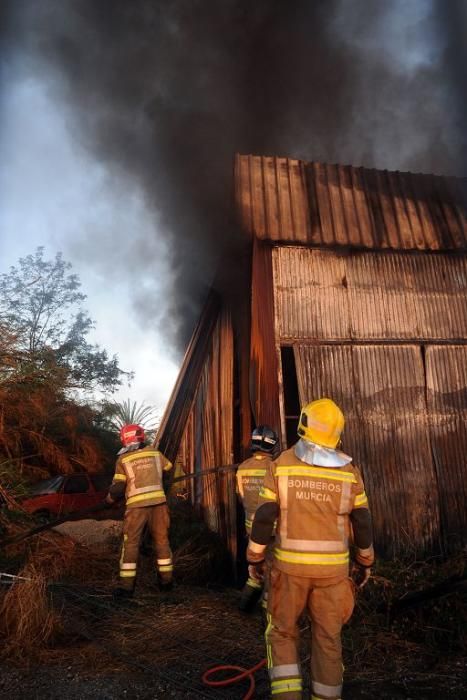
157	519
328	606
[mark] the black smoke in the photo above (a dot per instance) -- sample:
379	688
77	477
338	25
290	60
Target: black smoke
165	93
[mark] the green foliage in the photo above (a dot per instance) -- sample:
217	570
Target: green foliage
44	359
40	304
127	412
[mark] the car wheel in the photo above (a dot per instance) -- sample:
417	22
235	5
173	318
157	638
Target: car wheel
43	516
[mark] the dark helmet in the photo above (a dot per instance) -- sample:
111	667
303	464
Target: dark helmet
264	439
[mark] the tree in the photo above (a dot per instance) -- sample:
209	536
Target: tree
127	412
41	305
43	430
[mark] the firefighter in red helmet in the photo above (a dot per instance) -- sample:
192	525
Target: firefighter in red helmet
138	477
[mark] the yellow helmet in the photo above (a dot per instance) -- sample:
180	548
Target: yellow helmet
321	422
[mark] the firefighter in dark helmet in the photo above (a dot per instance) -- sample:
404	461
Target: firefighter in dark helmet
138	477
250	475
319	500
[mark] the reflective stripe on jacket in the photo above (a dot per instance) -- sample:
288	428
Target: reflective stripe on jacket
314	508
250	476
142	470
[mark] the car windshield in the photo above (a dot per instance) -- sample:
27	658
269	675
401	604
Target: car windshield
101	482
47	486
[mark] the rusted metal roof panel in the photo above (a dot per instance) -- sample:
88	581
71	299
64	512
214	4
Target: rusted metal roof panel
369	296
381	390
446	370
293	201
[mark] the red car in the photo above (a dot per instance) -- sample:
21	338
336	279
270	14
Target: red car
64	494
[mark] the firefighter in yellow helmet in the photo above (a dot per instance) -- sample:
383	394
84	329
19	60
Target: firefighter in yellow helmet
250	475
138	476
318	497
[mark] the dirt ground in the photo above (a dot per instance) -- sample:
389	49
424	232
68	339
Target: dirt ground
159	645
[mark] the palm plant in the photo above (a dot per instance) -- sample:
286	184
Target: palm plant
129	412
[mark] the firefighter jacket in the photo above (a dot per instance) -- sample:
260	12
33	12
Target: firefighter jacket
250	476
139	474
317	509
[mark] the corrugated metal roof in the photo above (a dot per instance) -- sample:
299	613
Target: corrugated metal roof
369	296
293	201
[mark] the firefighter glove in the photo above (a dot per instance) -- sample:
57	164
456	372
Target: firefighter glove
256	570
360	574
109	500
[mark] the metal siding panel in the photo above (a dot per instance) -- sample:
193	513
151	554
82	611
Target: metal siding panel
179	405
308	291
370	296
381	392
327	370
263	361
446	369
207	438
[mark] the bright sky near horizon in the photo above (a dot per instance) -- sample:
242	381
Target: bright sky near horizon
53	194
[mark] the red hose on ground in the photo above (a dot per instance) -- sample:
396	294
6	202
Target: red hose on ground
243	673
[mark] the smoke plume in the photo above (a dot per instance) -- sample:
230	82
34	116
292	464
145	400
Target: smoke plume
165	92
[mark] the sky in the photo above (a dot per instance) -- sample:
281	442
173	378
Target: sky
54	193
119	122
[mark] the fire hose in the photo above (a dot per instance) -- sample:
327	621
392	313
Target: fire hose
242	674
78	514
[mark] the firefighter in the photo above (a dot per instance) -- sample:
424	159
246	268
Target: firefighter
318	497
138	476
250	475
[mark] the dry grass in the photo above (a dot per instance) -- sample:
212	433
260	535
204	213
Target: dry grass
28	623
86	628
423	638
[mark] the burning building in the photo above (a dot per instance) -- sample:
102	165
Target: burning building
357	290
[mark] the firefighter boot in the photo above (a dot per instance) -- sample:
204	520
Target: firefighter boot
165	586
122	593
251	594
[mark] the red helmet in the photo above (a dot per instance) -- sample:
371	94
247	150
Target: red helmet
131	433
